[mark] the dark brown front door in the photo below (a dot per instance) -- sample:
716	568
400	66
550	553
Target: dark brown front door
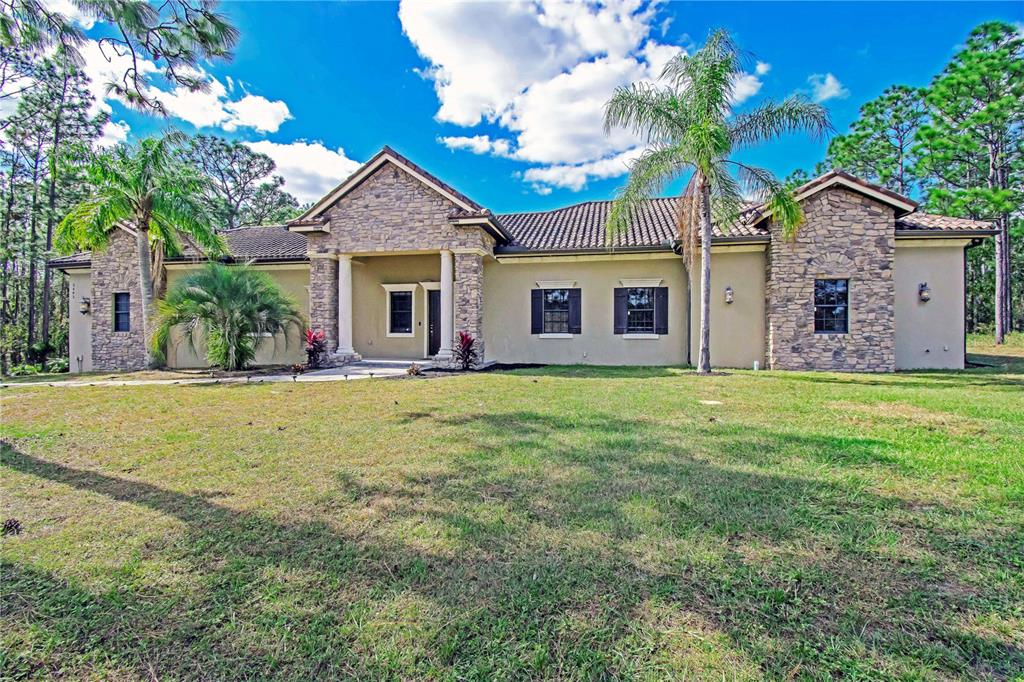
433	322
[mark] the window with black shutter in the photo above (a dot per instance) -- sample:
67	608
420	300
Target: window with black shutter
641	311
831	306
122	312
555	311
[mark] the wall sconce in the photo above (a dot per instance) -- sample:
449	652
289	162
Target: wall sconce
923	292
85	307
728	295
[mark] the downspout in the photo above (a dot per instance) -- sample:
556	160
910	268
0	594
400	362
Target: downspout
677	248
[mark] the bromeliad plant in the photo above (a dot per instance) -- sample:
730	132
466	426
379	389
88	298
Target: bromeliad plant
232	307
316	345
465	353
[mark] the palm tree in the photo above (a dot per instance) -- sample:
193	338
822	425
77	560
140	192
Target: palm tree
688	124
147	188
232	307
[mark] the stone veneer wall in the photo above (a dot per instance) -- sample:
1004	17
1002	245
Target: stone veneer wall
845	236
323	298
393	211
115	270
469	298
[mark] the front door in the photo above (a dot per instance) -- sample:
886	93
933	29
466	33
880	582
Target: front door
433	322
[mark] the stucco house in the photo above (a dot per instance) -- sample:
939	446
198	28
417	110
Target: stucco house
393	262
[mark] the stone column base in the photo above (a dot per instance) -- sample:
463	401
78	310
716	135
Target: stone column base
338	359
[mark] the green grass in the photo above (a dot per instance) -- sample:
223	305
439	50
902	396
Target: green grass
569	523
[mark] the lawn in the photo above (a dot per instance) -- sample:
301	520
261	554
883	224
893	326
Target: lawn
568	523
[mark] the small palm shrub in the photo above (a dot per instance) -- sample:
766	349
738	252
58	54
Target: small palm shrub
465	353
233	307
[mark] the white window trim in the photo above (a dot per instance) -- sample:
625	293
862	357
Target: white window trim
641	283
431	286
636	337
556	284
556	336
389	288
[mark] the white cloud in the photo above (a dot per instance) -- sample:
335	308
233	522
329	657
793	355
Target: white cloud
576	176
547	87
309	169
745	87
478	144
825	87
113	133
762	68
71	12
213	107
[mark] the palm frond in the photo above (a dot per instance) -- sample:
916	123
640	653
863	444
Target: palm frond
776	197
774	119
648	111
654	169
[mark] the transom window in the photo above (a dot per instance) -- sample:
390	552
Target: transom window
640	310
831	306
556	311
401	312
122	312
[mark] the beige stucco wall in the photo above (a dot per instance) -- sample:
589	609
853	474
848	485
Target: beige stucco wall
507	336
369	303
79	324
294	281
737	329
929	335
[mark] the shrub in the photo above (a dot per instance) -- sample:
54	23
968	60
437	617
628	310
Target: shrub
232	306
57	365
465	353
316	345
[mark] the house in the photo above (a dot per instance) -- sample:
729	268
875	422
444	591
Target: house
393	262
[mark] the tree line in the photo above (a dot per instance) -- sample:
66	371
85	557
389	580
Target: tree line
958	146
51	145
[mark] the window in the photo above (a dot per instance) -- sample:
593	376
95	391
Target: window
556	311
122	313
401	312
640	310
831	306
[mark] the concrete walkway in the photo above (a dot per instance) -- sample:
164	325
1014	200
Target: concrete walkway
365	369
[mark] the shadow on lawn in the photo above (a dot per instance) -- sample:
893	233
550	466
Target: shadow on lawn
569	534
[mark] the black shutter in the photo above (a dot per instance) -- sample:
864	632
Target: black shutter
620	310
575	314
537	311
661	310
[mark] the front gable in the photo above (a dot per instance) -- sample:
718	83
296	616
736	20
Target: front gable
391	204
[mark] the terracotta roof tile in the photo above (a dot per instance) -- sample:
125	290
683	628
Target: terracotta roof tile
943	223
582	226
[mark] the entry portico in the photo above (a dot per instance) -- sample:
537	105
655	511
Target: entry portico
382	241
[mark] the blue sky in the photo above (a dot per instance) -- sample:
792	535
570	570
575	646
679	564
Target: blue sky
503	100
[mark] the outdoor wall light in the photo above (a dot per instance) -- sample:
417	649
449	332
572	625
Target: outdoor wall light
728	295
923	292
85	307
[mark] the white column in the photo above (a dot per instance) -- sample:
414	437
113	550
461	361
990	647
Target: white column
447	304
345	305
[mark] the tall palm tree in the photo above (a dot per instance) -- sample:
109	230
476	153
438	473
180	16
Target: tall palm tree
146	187
231	307
689	126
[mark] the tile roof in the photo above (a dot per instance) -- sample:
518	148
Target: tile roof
941	223
582	226
269	243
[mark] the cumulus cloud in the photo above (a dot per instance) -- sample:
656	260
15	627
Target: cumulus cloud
762	68
576	176
71	12
309	169
212	108
825	87
547	87
113	133
478	144
745	87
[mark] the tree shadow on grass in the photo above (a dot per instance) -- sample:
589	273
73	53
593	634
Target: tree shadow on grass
567	535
